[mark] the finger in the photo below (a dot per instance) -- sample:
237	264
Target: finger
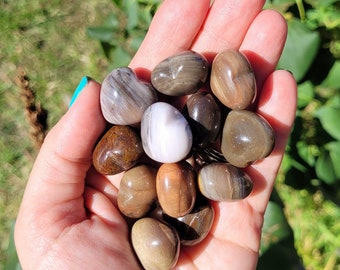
172	30
102	184
100	205
57	177
226	25
277	104
264	42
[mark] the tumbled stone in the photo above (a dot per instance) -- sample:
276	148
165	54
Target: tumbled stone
176	188
156	244
137	191
124	98
118	150
194	226
204	117
232	80
181	74
165	133
246	137
224	182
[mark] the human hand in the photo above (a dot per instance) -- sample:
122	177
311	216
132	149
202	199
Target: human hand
69	217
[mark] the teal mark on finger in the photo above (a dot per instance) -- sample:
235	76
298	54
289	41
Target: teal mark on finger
84	81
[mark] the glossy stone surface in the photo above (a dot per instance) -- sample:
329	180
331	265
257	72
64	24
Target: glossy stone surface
232	80
124	98
137	191
204	117
118	150
176	188
165	133
224	182
157	245
246	137
181	74
195	226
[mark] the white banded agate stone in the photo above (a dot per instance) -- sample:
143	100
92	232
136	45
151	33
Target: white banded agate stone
165	133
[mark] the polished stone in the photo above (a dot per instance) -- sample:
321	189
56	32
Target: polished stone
246	137
166	134
137	191
232	80
194	227
156	244
181	74
118	150
176	188
124	98
224	182
204	117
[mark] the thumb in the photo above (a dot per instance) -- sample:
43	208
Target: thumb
59	171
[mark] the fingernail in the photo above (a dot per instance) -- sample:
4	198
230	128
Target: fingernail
84	81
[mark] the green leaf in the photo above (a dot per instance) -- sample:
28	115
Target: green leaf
102	33
321	3
329	117
307	152
333	78
324	168
334	153
111	21
275	227
279	5
120	58
300	50
131	9
305	94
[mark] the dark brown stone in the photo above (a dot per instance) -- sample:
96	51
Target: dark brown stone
118	150
181	74
204	117
194	226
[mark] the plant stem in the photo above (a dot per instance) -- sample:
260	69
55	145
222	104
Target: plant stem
301	9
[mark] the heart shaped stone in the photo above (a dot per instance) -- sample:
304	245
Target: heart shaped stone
124	98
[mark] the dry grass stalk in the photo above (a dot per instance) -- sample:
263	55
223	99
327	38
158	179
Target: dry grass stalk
35	113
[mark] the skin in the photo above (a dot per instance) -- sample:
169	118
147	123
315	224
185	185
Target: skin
69	217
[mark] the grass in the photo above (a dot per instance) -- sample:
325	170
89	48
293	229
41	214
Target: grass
48	41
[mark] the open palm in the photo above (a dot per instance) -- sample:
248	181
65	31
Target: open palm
69	217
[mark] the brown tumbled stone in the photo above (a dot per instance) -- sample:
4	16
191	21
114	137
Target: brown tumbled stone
204	117
180	74
232	80
176	188
194	226
118	150
137	191
155	243
246	137
224	182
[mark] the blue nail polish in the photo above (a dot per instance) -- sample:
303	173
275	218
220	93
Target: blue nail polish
79	88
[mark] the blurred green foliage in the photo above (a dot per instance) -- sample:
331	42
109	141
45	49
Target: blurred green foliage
123	31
